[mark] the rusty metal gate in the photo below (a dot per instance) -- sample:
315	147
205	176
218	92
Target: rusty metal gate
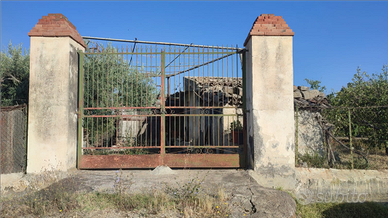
145	104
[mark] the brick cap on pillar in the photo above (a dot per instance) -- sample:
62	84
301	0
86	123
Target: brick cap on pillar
56	25
269	25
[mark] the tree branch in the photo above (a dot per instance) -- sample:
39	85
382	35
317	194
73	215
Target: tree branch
12	78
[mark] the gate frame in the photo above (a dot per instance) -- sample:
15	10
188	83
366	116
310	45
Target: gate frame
238	160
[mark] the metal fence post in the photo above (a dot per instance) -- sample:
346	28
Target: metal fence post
162	105
245	159
80	105
350	138
26	139
296	135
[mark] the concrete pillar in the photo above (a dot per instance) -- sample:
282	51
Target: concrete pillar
53	94
269	98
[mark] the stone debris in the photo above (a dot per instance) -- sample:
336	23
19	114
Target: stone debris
219	91
303	88
218	81
225	90
310	94
163	170
307	99
298	94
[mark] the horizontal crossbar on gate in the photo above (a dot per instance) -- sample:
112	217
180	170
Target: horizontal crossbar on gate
116	148
198	146
167	115
174	146
167	107
201	115
161	43
157	53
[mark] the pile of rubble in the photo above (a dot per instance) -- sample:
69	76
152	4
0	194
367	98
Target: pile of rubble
219	90
228	90
313	99
217	81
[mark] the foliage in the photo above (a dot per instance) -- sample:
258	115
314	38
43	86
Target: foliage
110	81
365	90
316	84
314	160
188	191
366	97
15	65
236	125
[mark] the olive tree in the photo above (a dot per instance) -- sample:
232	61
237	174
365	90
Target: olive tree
110	81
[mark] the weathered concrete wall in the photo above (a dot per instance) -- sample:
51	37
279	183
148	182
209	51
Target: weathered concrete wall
270	106
52	132
53	95
332	185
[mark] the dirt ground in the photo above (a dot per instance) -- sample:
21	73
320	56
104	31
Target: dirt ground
243	194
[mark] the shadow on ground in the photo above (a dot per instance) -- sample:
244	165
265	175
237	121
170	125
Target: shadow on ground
357	210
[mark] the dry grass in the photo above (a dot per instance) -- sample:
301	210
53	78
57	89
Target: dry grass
377	159
67	198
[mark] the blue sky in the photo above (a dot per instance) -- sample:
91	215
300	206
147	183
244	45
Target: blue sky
331	38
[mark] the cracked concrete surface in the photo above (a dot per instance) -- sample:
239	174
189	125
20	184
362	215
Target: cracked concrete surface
242	193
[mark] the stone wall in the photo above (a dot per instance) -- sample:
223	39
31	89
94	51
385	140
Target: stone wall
310	135
308	106
333	185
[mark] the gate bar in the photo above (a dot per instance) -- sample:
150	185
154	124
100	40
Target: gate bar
161	43
162	105
80	106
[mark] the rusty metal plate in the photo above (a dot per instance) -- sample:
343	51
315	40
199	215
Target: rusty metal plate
120	161
152	161
202	160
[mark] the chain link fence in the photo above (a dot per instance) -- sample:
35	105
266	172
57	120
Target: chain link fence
13	139
342	137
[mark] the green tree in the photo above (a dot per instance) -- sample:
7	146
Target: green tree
364	90
367	98
15	65
316	84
